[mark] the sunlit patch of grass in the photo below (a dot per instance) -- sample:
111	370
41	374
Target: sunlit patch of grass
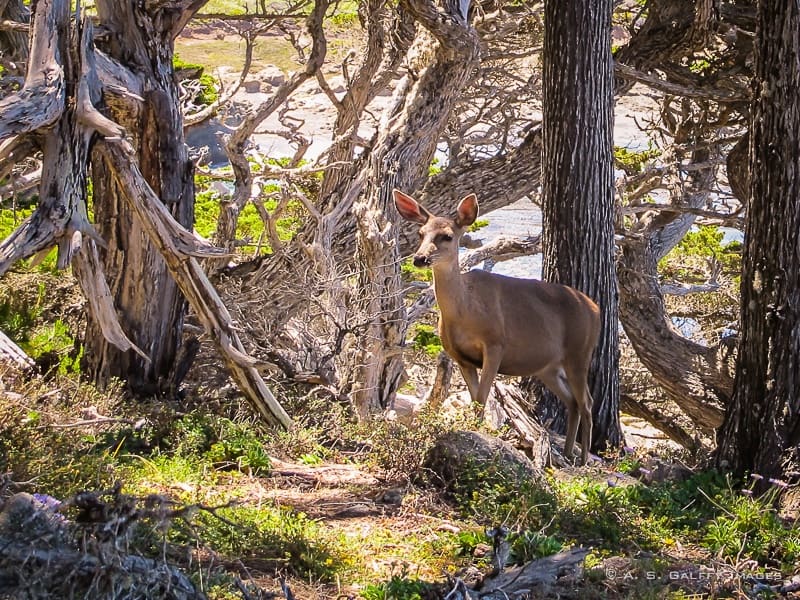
272	536
213	53
231	7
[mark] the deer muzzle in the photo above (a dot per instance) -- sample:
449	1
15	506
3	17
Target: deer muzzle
422	260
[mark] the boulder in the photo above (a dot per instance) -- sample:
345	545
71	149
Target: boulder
456	455
271	75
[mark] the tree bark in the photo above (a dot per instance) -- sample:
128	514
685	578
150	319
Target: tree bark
671	358
62	90
400	159
761	432
148	300
578	184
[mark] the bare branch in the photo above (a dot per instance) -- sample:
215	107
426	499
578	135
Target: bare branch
41	100
192	280
706	93
223	99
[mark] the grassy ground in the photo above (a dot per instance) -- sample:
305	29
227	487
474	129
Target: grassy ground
335	508
341	510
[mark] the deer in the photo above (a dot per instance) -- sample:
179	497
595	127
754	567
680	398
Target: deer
507	325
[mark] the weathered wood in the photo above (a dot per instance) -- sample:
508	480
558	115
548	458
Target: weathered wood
531	435
40	559
138	50
399	159
672	358
178	250
441	382
41	100
534	577
13	354
61	217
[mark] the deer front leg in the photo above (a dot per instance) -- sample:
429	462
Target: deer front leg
470	375
573	421
492	355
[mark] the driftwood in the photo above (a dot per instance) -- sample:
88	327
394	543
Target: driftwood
509	404
441	382
535	578
13	354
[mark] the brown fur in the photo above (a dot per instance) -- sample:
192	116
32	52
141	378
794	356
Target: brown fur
508	325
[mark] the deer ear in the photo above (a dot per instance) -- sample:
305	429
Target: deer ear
467	211
409	208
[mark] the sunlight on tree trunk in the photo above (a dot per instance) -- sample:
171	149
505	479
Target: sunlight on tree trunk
578	184
402	154
148	299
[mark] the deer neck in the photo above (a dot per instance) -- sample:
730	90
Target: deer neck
448	286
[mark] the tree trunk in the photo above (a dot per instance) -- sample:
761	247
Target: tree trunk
578	184
148	300
14	43
402	154
761	432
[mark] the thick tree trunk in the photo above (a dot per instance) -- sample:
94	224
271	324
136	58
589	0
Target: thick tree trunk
148	300
13	42
400	158
578	184
761	431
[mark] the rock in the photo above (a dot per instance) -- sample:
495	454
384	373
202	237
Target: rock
252	86
271	75
655	470
23	516
405	408
455	455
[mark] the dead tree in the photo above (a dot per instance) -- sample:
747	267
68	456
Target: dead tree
142	193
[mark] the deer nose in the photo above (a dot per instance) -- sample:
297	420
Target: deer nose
420	260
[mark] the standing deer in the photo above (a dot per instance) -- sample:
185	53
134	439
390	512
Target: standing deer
507	325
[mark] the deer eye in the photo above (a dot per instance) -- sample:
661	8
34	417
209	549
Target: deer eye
445	237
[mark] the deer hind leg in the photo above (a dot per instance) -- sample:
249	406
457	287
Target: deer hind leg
583	406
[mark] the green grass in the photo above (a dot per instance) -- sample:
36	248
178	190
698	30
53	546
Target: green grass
478	225
250	226
288	540
426	339
213	53
633	161
202	459
10	219
399	587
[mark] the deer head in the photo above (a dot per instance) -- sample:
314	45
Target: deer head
439	236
